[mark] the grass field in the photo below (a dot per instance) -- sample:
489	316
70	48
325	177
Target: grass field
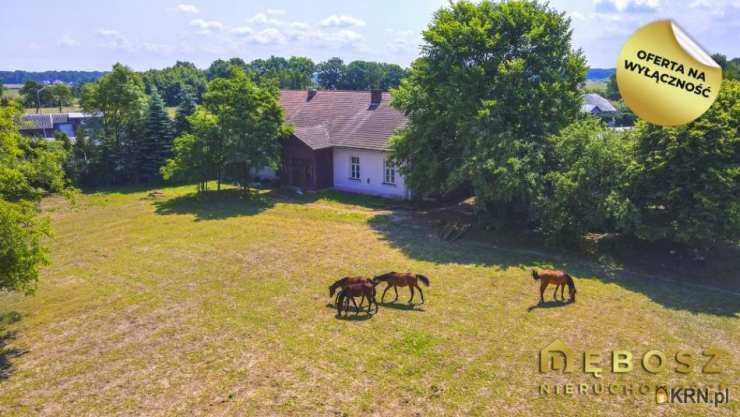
217	305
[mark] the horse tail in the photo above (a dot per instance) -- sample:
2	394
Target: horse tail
535	275
423	279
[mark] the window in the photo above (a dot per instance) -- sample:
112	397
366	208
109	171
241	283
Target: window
355	168
389	172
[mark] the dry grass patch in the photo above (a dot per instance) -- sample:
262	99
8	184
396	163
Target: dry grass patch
218	305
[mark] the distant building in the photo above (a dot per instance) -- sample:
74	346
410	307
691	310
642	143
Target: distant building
595	104
341	141
45	125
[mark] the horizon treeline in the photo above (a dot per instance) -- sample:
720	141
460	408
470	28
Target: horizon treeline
287	73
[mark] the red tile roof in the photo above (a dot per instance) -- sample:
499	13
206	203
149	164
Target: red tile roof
341	118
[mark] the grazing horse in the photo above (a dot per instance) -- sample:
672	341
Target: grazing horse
560	279
364	289
344	282
402	279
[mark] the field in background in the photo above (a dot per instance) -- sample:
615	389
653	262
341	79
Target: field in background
10	92
218	305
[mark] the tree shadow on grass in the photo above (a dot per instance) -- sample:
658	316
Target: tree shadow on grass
420	241
216	205
7	354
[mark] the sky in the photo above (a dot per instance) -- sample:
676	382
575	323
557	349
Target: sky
38	35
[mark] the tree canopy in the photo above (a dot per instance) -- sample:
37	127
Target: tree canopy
120	99
493	81
238	126
29	168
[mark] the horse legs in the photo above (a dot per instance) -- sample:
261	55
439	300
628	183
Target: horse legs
420	292
395	288
555	293
357	309
382	297
411	287
562	291
542	291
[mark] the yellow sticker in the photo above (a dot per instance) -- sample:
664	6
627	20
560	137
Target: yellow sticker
664	77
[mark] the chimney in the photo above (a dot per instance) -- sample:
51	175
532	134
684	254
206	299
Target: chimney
376	96
311	94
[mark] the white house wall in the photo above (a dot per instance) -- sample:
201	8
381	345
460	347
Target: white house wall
371	174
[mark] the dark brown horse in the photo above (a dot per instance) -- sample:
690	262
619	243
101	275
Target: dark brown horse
361	289
343	283
560	279
402	279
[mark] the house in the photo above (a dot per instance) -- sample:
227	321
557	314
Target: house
341	141
45	125
595	104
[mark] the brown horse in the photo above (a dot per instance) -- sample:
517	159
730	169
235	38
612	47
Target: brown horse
560	279
343	283
402	279
361	289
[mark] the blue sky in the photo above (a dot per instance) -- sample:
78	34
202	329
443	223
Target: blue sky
89	35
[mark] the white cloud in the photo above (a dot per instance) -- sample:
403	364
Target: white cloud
268	36
114	39
185	8
342	21
630	6
67	41
268	28
242	30
264	18
206	26
403	40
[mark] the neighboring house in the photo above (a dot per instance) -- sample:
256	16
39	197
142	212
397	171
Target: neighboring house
340	141
45	125
595	104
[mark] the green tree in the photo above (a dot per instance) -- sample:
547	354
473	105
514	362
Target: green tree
29	168
61	94
300	73
198	154
493	82
686	182
119	97
172	82
612	90
239	125
586	184
36	95
331	73
157	140
186	107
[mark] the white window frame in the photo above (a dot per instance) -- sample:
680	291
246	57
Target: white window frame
354	168
389	172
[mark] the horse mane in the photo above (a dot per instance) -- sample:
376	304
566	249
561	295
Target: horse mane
333	287
384	277
535	275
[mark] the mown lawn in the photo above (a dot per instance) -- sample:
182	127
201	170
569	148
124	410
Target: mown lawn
217	305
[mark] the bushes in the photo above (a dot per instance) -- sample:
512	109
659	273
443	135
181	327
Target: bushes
21	252
686	180
585	187
680	184
29	168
